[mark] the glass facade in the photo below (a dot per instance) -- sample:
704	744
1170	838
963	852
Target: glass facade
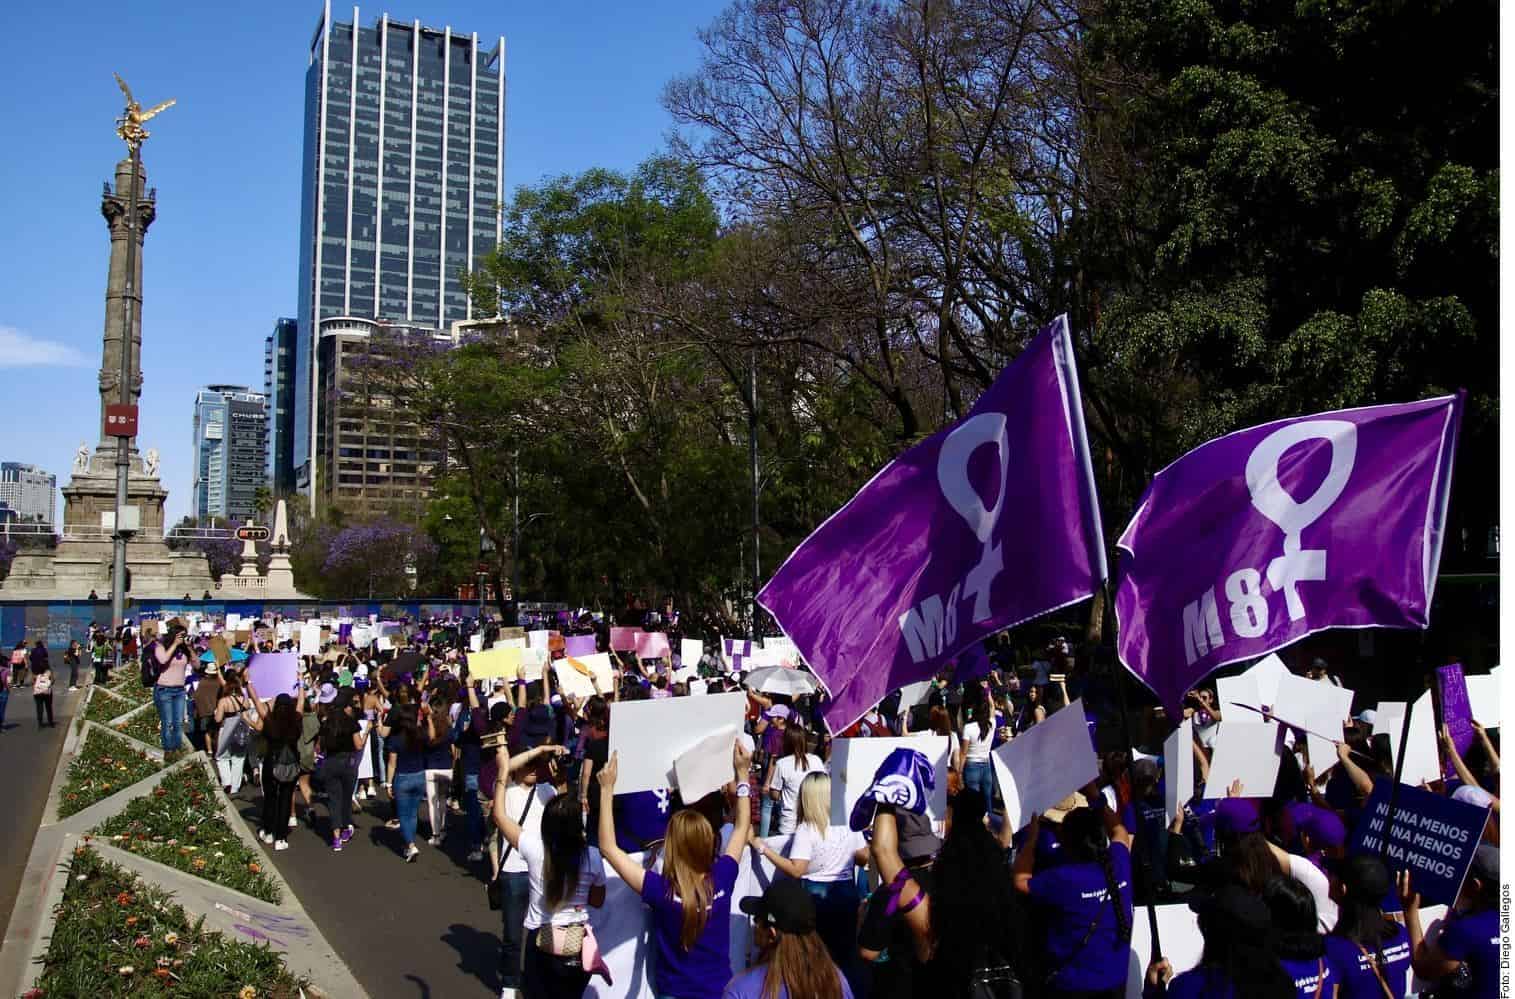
278	385
230	434
401	177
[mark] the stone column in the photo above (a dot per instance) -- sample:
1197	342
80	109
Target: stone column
113	205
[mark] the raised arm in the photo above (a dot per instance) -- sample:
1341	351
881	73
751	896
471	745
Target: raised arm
741	765
501	815
1463	773
1359	777
629	870
1488	746
912	901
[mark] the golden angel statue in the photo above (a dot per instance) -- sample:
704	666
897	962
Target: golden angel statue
129	125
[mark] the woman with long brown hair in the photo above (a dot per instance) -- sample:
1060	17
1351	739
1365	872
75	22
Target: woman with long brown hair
691	898
793	962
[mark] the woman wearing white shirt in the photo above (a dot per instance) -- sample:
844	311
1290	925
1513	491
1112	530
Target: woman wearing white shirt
825	857
566	878
973	756
785	775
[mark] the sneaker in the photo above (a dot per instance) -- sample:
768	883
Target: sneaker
265	837
434	841
293	822
411	853
346	834
474	856
336	844
282	844
392	824
509	993
72	690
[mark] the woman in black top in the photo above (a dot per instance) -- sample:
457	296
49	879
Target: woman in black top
71	660
342	739
281	729
42	689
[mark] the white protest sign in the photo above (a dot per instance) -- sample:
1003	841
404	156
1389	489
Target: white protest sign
510	643
650	735
310	639
1026	780
685	673
283	632
232	620
365	758
855	761
1247	751
361	637
1319	708
691	651
571	681
533	661
1178	768
1422	763
476	642
1183	944
912	694
697	687
706	767
383	643
1483	696
1256	688
537	639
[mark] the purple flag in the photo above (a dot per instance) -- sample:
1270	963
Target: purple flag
1456	713
1261	537
905	780
985	524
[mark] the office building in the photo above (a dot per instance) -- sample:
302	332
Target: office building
230	434
402	172
28	493
279	386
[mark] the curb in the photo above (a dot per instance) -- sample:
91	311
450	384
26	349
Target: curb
71	746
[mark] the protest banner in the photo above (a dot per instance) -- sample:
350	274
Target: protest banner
855	761
310	639
624	639
1222	562
1456	712
706	766
891	587
274	673
1178	769
691	651
537	639
1245	751
1431	836
500	661
1026	782
1317	708
573	680
737	653
1483	696
652	645
579	645
650	735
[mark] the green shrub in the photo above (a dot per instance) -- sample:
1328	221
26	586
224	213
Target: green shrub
115	936
102	707
181	824
104	765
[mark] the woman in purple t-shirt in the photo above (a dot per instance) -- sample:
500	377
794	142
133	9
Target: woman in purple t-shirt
691	898
1086	899
1368	951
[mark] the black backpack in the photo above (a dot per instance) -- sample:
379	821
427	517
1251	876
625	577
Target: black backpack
150	670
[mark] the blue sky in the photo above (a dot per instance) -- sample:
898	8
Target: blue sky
584	86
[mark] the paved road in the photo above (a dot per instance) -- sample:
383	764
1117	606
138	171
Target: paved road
28	757
407	931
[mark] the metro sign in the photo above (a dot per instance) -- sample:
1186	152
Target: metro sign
120	420
252	534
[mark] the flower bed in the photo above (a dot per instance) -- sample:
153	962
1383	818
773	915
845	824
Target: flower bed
115	936
143	726
127	684
181	824
102	707
104	765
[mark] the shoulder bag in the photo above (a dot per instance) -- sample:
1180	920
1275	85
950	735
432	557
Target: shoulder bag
493	891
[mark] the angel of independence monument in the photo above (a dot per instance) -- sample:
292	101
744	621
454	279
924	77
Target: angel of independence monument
113	517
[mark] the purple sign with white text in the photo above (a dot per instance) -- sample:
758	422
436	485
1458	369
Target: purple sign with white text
1261	537
985	524
1456	712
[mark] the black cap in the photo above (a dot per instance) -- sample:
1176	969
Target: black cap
1485	865
1237	906
786	906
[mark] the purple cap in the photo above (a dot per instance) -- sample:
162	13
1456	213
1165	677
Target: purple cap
1237	816
1323	826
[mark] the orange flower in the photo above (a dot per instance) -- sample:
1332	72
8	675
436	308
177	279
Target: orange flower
254	868
131	920
124	899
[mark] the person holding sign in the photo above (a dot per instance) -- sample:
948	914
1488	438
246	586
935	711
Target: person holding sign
1368	951
691	898
1465	959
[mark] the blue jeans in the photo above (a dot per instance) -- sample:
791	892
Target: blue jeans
980	777
5	697
515	892
765	819
170	704
376	747
474	809
410	791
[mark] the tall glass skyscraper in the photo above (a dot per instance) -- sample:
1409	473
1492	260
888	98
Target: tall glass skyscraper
231	435
279	352
402	173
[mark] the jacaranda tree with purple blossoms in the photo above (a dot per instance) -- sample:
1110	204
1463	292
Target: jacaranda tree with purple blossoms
377	558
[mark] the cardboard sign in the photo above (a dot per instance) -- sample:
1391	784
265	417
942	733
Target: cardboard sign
855	761
310	639
1178	768
500	661
220	650
579	645
624	639
1483	695
274	673
650	735
1318	707
1456	712
1432	837
1247	751
571	681
652	645
691	651
706	767
1026	781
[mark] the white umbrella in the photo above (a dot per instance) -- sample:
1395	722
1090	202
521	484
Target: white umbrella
782	680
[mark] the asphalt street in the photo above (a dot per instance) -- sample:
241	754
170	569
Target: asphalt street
30	754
